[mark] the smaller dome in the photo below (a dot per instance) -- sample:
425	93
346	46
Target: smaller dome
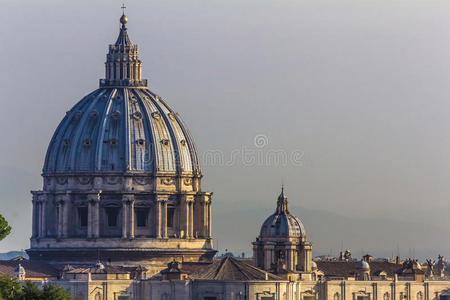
313	265
362	265
282	224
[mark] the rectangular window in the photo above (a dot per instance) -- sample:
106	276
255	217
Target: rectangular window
267	298
363	298
112	213
308	297
83	216
170	214
210	298
141	217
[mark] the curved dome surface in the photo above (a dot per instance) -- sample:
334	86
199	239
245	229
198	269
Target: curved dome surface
282	223
362	265
118	130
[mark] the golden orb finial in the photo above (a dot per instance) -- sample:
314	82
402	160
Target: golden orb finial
124	18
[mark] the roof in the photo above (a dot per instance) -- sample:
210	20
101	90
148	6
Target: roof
119	130
231	269
345	269
33	269
107	269
123	39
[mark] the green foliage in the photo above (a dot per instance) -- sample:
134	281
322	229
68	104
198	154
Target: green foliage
55	293
5	229
11	289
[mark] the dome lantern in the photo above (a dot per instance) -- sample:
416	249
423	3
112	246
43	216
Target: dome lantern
123	67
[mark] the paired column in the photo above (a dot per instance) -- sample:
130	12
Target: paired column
209	218
94	215
204	215
268	256
188	216
307	258
128	216
191	219
62	209
291	253
42	228
161	215
35	228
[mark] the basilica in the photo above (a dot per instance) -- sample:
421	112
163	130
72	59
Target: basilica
122	215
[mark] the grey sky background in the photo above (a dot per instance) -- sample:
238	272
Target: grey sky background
360	88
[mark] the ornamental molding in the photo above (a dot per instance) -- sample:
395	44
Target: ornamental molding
61	180
167	181
84	180
141	180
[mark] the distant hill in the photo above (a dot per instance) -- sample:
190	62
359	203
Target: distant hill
12	254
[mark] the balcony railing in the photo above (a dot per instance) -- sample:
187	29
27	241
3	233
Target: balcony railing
123	83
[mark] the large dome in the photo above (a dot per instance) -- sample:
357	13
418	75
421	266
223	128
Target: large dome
282	223
122	181
121	129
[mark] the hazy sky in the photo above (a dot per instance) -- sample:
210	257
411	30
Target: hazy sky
361	89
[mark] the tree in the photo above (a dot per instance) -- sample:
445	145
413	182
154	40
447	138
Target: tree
55	293
5	229
11	289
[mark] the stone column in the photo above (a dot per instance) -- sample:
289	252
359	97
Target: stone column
35	230
209	219
289	259
93	216
161	215
164	218
255	255
124	217
60	214
191	219
205	217
307	247
131	217
158	218
187	216
42	216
